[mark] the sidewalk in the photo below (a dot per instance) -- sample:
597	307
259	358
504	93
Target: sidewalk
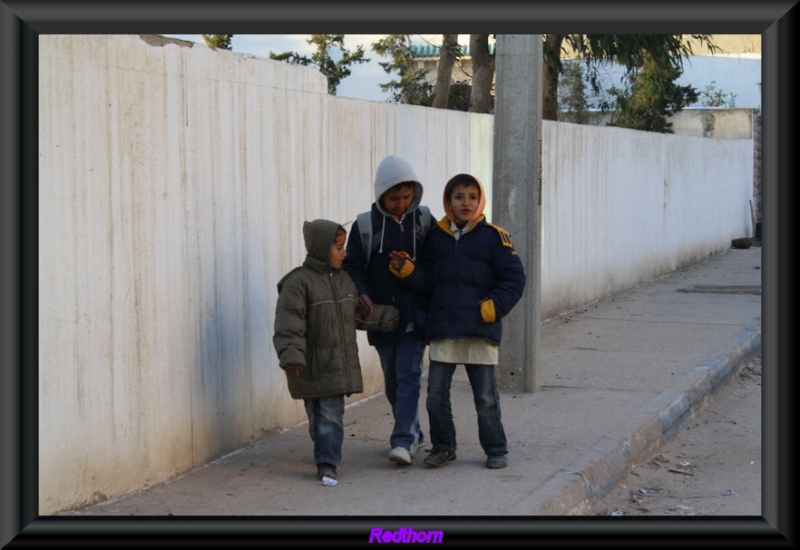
618	377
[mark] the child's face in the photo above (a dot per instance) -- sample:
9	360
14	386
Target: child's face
397	200
463	202
338	251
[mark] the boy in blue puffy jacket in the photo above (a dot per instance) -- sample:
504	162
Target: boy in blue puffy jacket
475	278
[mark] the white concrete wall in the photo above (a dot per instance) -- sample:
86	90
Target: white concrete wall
707	122
174	180
714	123
621	207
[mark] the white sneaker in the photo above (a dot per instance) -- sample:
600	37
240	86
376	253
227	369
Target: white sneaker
401	455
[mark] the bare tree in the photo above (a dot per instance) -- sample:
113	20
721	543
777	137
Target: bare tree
447	57
551	70
480	100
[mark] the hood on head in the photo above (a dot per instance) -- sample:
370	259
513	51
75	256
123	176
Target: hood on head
481	202
318	236
391	171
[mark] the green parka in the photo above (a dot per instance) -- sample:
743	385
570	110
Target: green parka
316	320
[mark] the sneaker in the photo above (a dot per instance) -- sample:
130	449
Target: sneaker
439	458
496	462
401	455
326	470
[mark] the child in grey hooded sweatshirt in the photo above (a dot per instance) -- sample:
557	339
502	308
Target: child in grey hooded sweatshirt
396	222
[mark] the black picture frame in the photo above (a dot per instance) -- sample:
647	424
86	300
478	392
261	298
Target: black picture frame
21	22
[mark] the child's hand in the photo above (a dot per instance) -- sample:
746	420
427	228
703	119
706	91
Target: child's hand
293	371
364	305
389	318
398	259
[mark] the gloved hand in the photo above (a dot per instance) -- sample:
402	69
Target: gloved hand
388	318
401	264
384	318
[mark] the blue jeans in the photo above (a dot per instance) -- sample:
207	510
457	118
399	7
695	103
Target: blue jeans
487	404
402	370
326	427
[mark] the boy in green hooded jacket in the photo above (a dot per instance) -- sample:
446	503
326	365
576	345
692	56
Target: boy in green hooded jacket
316	319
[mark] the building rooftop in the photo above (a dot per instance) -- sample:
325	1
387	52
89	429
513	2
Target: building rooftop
429	50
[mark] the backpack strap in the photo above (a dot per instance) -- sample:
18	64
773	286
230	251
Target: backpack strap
365	229
425	219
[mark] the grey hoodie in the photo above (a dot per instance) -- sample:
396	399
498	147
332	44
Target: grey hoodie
391	171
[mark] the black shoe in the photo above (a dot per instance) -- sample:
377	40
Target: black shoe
496	462
326	470
439	458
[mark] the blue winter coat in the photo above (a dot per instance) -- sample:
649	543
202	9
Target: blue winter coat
474	281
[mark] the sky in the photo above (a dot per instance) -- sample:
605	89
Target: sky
365	80
738	77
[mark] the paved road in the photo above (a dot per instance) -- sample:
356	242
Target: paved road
710	468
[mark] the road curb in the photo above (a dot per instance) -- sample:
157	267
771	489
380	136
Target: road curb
609	460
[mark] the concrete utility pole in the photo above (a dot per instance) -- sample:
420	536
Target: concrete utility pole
516	197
